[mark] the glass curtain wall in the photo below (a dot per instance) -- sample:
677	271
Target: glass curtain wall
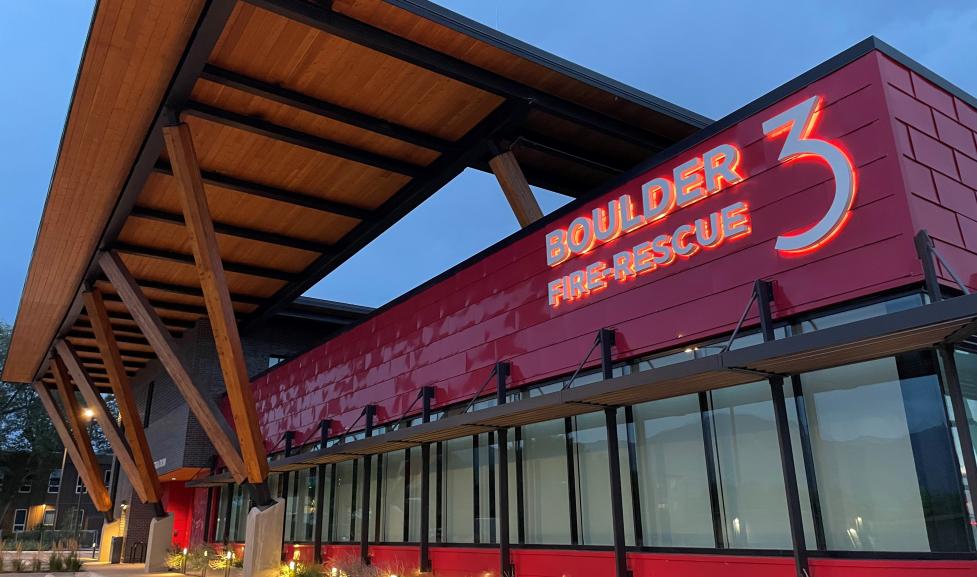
874	439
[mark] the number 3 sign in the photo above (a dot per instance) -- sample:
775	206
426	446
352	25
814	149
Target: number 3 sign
798	122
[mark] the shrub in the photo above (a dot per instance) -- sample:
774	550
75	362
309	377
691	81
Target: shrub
55	562
17	565
36	565
72	563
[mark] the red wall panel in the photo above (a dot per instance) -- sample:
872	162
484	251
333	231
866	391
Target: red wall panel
936	139
178	500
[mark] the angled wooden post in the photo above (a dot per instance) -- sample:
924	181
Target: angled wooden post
513	182
203	240
119	380
66	358
79	446
210	418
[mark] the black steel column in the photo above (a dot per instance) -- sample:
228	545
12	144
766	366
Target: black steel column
764	294
614	461
957	403
283	488
320	493
633	467
370	411
425	512
505	555
705	416
808	453
925	253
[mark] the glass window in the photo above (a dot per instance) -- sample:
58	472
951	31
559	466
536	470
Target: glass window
300	506
239	514
858	313
486	456
48	520
753	501
27	484
458	482
672	475
547	495
54	481
20	520
343	505
414	498
80	487
967	372
392	485
222	512
593	481
885	469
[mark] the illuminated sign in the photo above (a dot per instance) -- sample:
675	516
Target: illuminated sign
691	182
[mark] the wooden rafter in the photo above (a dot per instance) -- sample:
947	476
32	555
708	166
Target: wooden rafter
86	464
210	418
517	192
105	419
119	380
203	240
81	455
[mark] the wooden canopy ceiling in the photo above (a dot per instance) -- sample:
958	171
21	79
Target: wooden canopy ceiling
317	126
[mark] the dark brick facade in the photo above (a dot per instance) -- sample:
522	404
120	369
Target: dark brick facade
175	437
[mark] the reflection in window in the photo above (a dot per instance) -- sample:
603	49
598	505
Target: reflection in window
967	371
882	456
343	528
458	506
547	496
673	481
392	483
593	481
753	501
301	506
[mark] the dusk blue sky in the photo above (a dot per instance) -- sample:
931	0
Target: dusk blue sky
704	56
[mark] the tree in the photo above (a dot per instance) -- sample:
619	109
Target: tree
29	444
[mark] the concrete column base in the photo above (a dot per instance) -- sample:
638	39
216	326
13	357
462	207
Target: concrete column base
263	540
160	538
109	530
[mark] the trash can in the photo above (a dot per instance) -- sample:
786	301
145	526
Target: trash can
115	550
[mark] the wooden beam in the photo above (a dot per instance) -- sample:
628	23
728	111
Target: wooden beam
121	388
203	240
235	231
298	138
277	194
80	458
517	192
207	414
105	419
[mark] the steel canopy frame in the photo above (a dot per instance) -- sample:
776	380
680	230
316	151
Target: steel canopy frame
886	335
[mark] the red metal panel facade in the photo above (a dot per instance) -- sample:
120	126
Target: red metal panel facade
936	137
496	308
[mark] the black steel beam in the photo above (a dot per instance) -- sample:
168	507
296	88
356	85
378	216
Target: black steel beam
569	153
414	53
118	317
326	109
219	180
161	254
133	354
297	138
435	176
234	230
193	292
951	378
163	305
